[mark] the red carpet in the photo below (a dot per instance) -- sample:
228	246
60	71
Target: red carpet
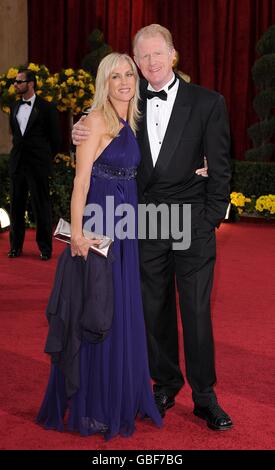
244	328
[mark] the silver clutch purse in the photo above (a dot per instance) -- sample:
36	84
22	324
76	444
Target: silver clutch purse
63	233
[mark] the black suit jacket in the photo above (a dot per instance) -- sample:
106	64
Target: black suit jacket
41	140
198	126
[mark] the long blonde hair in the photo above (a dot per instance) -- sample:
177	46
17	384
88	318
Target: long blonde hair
101	100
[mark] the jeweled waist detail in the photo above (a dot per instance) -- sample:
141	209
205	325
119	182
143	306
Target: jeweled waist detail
111	172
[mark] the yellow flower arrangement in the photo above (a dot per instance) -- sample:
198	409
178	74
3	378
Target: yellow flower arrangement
47	85
36	68
77	90
64	160
72	90
239	201
7	90
266	204
263	205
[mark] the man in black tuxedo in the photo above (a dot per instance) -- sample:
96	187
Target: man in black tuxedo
35	127
181	123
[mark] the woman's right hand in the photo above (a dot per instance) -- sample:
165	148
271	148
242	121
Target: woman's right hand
80	132
203	171
80	246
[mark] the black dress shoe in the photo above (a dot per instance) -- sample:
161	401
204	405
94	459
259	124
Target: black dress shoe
215	416
163	402
45	256
14	253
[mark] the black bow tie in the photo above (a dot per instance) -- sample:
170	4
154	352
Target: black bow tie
25	102
160	94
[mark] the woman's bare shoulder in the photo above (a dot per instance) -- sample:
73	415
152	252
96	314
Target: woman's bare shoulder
95	121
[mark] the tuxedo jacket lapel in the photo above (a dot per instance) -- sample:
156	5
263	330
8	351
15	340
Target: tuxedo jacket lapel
146	167
175	129
32	118
33	115
15	122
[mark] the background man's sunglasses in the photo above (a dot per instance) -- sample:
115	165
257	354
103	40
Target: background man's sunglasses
21	81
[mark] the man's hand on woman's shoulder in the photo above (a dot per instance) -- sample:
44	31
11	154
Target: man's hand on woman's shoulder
80	132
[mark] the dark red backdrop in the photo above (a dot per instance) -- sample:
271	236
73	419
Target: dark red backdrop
215	38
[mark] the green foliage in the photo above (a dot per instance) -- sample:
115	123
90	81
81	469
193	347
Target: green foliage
263	73
99	49
266	43
260	154
61	186
262	132
253	178
263	102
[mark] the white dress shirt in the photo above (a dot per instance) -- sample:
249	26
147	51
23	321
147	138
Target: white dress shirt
24	113
158	115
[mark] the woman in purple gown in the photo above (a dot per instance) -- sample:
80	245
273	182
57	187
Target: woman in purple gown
114	381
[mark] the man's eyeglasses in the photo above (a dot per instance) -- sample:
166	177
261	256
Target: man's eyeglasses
21	81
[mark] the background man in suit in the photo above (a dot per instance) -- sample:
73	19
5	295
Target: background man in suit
181	123
36	139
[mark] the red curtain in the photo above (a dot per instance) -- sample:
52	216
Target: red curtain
215	39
